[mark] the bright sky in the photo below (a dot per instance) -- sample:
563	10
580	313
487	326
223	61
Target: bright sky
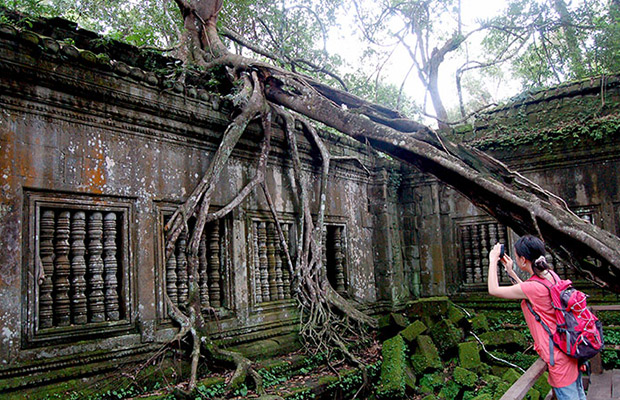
350	48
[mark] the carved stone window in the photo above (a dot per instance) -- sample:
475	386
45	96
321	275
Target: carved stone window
78	272
269	272
213	267
476	239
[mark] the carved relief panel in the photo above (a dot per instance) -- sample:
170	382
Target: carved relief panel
78	267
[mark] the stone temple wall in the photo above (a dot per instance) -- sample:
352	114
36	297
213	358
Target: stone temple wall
96	154
94	157
566	139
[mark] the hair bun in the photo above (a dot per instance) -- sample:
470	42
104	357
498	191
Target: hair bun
541	262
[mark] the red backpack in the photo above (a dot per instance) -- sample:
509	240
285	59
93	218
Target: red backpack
578	333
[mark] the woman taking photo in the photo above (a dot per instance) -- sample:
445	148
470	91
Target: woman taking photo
564	375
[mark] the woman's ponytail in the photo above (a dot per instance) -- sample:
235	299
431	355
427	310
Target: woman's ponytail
540	264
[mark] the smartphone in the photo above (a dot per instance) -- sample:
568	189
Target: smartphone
502	251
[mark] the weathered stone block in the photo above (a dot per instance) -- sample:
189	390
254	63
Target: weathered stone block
511	375
426	356
542	384
392	380
507	339
479	323
411	332
446	336
469	355
532	394
465	377
457	316
434	307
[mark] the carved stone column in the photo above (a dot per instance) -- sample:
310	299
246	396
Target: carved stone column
46	251
62	269
214	265
79	308
96	307
110	267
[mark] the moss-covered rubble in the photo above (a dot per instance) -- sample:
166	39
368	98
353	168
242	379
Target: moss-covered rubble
440	348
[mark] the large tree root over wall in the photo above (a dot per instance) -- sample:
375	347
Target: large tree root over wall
265	90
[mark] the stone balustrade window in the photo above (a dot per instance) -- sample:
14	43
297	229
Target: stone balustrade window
476	240
271	278
213	276
269	273
78	269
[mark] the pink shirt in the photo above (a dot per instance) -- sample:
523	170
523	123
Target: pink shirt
566	369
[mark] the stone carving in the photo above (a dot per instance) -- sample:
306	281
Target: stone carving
46	251
181	249
271	260
339	260
213	270
79	308
286	275
171	278
262	259
203	280
62	270
476	242
110	267
257	270
96	309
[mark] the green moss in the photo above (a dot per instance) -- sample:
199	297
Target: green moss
483	396
532	394
542	384
430	397
457	316
449	391
479	323
426	356
506	339
446	336
392	380
465	377
511	375
501	388
469	355
413	330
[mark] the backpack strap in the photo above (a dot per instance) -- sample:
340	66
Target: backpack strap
546	328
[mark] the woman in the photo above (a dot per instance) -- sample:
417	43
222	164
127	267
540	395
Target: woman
564	375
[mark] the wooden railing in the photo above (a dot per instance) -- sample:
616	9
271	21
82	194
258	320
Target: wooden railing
520	388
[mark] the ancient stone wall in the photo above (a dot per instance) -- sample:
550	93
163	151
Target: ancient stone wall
566	139
94	157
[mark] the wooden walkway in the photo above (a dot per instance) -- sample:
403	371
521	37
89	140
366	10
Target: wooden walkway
605	386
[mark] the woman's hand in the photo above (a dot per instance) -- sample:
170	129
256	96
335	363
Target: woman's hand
494	254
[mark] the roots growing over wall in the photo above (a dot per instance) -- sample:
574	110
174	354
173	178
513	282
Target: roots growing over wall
264	91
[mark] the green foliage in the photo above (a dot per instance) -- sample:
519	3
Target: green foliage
558	40
465	377
609	318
